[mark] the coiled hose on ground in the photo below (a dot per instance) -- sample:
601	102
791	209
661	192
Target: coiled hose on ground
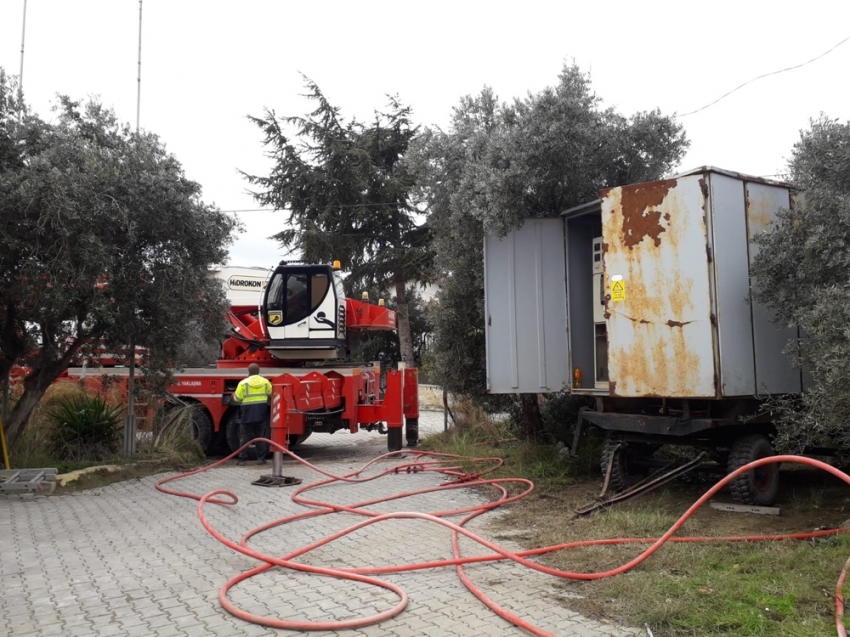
448	465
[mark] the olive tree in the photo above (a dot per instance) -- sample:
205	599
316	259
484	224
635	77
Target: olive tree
499	164
103	240
803	273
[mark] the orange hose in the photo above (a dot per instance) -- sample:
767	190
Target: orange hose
438	462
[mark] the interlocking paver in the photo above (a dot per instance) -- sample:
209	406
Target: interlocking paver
127	560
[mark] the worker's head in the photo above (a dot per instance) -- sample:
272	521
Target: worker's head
253	369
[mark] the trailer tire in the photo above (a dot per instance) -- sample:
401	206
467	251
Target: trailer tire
760	486
202	430
624	474
394	438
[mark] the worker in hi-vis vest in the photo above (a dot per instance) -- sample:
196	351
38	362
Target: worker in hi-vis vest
253	395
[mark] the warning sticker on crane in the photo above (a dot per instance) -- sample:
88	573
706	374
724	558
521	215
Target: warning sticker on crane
618	288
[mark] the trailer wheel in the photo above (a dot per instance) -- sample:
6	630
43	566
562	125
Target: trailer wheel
202	430
759	486
394	438
625	472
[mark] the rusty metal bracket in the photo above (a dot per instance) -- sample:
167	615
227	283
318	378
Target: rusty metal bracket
577	434
662	477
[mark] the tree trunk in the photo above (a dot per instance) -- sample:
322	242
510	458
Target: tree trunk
405	340
531	414
35	386
34	389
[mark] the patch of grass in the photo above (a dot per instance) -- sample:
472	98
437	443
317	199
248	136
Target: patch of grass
777	589
780	589
478	434
765	589
175	450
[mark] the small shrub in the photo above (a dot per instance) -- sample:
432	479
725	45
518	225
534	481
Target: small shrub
85	427
171	438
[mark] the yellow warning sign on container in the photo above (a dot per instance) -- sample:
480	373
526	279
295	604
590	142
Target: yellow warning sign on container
618	288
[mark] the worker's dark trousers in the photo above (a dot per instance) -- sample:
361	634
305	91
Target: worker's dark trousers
249	431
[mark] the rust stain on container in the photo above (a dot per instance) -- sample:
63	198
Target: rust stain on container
704	187
639	218
662	362
673	323
759	214
660	336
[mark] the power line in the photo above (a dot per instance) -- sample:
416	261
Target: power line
342	205
790	68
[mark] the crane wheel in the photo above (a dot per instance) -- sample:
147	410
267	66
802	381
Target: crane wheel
202	430
760	486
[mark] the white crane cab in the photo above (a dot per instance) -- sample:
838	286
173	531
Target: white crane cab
304	312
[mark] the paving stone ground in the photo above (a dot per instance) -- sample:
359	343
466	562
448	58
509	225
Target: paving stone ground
126	560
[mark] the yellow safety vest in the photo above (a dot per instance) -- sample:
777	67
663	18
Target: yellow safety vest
252	390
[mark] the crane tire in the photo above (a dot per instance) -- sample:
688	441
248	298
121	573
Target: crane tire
202	430
231	431
760	486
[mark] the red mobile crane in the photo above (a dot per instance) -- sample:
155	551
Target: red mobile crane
295	323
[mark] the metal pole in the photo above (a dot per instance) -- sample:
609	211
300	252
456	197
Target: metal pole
130	427
23	37
139	74
6	381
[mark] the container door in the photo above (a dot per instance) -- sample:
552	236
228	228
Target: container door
657	283
526	309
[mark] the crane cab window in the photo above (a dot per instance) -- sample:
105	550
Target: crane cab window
295	294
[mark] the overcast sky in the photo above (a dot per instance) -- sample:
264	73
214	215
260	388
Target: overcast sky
208	64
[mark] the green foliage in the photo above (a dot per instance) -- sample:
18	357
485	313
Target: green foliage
85	427
560	414
499	164
103	239
803	269
346	190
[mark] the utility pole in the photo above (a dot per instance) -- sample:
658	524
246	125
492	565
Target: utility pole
139	73
130	426
21	73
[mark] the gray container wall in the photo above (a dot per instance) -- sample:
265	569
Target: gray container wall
774	373
525	309
732	285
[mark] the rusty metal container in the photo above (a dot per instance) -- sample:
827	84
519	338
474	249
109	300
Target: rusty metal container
684	324
678	319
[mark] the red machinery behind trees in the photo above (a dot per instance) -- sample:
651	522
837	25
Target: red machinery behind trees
295	324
